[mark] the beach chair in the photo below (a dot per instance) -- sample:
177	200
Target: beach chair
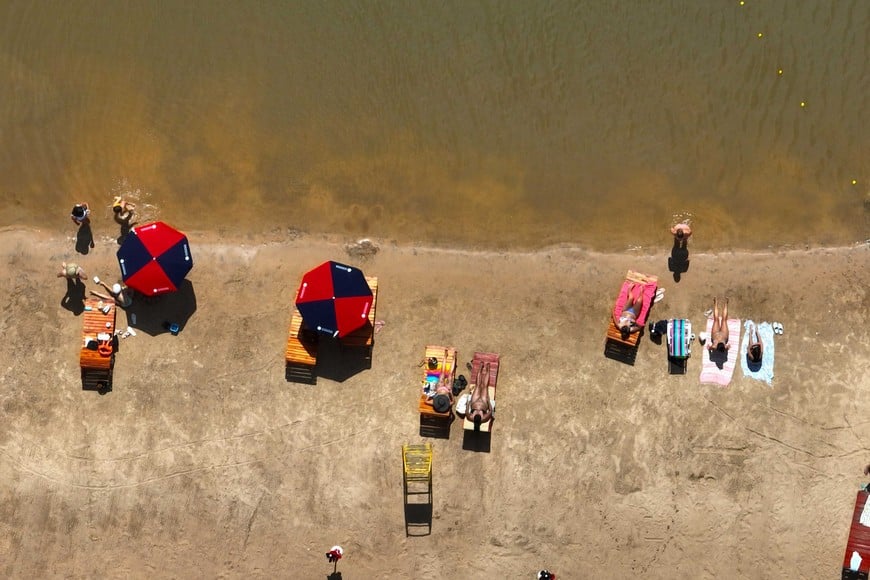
615	346
98	346
434	423
481	358
679	336
417	482
856	561
300	353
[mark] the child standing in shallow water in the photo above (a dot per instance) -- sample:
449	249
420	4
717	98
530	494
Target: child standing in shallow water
123	210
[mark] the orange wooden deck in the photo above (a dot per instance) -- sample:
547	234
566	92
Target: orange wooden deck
301	344
614	334
433	423
93	323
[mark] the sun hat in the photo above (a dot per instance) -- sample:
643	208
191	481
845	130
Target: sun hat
441	403
116	288
72	270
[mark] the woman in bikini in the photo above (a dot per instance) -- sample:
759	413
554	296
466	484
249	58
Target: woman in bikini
626	322
480	407
755	348
719	330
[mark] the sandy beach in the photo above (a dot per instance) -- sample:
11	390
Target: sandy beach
204	462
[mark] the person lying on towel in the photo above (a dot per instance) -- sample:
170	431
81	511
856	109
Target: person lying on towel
719	330
480	407
626	321
755	348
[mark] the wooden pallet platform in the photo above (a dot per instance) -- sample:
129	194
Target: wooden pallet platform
300	353
93	323
433	423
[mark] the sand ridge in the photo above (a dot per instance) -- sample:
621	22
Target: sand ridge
204	462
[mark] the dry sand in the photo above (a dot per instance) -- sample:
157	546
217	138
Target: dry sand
204	462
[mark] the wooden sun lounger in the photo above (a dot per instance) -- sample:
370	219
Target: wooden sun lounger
300	354
613	332
97	365
433	423
481	358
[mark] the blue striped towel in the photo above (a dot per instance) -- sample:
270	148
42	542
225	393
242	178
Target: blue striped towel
765	371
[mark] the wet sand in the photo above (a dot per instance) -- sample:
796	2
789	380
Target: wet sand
204	462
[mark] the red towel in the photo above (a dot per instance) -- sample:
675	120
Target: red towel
649	293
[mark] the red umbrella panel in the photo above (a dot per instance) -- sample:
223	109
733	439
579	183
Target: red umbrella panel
154	259
334	299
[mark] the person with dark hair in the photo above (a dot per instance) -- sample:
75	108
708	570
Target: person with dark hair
626	322
755	348
546	575
682	232
80	213
479	406
719	331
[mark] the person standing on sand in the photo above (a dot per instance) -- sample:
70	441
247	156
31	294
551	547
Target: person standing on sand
80	214
71	272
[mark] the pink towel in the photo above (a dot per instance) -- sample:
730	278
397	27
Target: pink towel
710	371
649	292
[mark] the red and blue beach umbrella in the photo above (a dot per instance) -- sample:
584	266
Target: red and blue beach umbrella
334	299
154	259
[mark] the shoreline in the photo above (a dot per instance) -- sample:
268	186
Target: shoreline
215	238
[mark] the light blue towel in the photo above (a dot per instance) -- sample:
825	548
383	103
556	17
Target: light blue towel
765	373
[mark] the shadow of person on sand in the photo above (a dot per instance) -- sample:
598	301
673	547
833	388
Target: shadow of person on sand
126	227
678	263
74	299
84	239
718	357
334	576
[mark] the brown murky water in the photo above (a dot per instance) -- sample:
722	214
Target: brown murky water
494	124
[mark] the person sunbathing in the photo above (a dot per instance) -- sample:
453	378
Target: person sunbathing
755	348
442	400
626	322
480	407
719	331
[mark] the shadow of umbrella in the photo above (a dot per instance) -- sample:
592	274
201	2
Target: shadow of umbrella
339	363
154	314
